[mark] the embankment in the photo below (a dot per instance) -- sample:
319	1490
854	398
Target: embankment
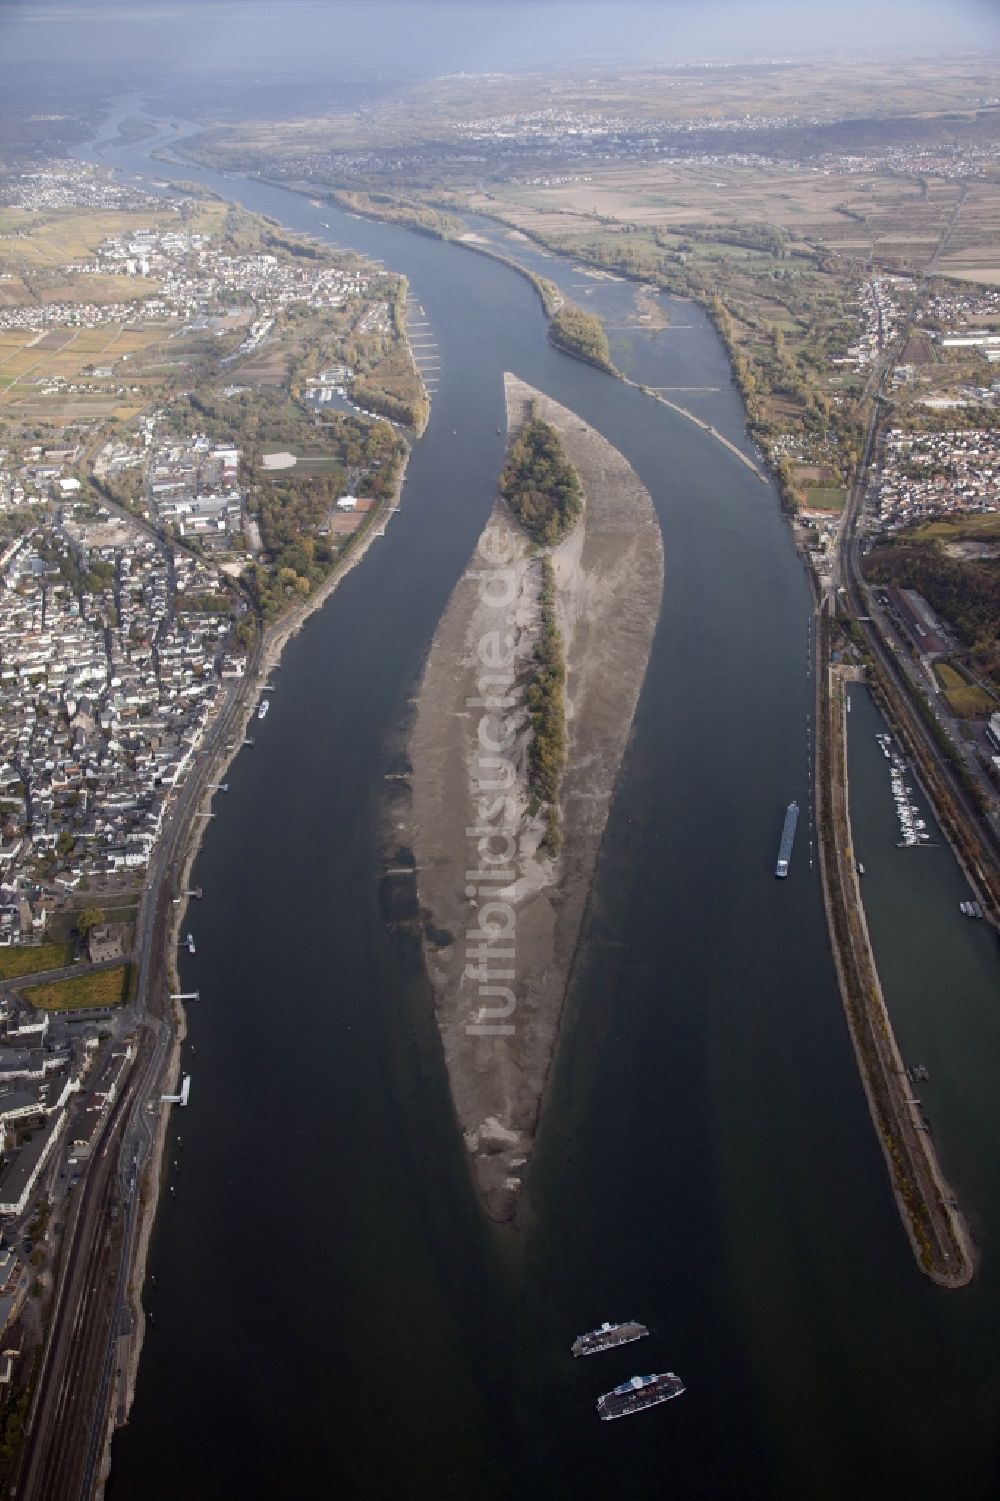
927	1206
223	751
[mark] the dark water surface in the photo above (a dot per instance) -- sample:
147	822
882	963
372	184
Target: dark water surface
332	1316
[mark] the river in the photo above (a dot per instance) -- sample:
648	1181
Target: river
332	1315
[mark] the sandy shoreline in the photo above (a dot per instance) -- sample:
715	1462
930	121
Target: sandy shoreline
498	1012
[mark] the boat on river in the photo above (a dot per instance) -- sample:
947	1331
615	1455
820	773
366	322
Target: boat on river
638	1393
787	840
608	1337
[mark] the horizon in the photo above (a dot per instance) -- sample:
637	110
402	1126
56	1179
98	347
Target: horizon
428	37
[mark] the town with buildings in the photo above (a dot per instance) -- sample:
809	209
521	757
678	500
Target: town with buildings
925	475
127	624
60	1078
107	685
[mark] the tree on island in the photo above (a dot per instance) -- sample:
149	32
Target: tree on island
540	484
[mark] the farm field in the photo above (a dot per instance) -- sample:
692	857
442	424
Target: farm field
967	700
32	959
35	370
100	988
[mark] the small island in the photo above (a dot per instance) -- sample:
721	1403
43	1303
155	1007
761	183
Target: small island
523	717
581	334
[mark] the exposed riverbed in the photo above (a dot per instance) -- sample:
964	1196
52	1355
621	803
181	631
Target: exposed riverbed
499	952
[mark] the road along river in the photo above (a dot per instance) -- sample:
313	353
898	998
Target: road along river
333	1316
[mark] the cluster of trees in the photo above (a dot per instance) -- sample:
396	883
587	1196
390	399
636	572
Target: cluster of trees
581	334
249	419
918	418
292	506
393	388
540	484
424	220
245	233
776	370
545	695
749	234
966	594
90	917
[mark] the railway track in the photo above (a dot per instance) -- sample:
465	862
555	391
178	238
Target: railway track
52	1466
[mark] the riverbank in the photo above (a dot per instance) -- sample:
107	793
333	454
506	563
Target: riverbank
928	1209
552	301
501	916
272	645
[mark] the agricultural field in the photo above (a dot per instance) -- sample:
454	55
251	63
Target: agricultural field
70	352
33	959
966	700
98	989
457	108
777	194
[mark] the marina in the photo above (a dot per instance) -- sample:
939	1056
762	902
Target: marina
912	827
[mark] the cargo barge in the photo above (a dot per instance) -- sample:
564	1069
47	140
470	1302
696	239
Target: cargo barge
787	840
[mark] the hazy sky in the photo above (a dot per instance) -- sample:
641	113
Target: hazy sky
475	35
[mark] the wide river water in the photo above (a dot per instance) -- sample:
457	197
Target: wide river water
333	1317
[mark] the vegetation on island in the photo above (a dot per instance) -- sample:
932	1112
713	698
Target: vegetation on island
543	490
582	335
546	708
540	484
423	219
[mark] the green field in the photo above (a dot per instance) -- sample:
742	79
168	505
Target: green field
104	987
33	959
967	701
966	528
824	499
